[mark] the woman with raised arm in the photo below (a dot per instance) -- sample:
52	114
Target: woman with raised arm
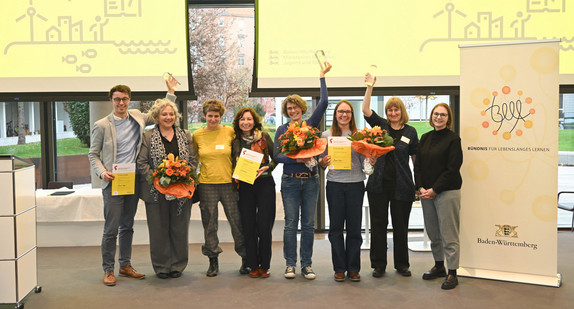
437	175
345	191
391	184
257	201
299	185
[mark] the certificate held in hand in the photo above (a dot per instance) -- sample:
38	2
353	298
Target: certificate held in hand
247	165
340	152
125	179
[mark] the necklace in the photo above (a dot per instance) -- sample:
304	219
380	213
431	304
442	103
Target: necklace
169	134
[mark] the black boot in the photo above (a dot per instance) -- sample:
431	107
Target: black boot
213	267
244	269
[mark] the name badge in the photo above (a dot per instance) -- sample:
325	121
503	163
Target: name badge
405	139
219	147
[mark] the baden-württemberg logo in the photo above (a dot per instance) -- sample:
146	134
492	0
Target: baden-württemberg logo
506	231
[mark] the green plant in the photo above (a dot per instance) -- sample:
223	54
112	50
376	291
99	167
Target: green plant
259	109
79	113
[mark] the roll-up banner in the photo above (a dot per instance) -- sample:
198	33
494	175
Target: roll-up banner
509	97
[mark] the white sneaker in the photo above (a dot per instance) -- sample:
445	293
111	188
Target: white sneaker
308	273
290	272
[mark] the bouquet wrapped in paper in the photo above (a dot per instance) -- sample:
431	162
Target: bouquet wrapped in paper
372	143
174	177
302	142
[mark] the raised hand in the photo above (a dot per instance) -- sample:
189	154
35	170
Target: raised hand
326	67
370	80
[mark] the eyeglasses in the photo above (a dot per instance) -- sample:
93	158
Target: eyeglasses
344	112
125	99
440	115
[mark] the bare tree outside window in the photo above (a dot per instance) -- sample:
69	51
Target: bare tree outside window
21	129
216	73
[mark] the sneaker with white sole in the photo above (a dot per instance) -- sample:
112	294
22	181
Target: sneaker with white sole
308	273
290	272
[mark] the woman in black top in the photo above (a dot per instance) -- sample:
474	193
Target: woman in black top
256	202
167	216
437	175
391	184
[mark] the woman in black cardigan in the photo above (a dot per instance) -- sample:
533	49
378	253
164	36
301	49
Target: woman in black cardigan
257	201
391	184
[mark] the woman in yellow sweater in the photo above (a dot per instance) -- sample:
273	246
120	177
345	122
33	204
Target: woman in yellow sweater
213	145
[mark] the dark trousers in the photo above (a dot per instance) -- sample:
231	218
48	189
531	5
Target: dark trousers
119	213
400	212
168	234
345	208
257	209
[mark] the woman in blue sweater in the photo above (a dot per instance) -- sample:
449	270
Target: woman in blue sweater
299	185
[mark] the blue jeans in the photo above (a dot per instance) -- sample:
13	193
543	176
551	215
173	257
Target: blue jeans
345	209
300	197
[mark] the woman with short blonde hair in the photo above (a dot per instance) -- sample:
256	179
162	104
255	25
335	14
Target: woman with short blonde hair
391	185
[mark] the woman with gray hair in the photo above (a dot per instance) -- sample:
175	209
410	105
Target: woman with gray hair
167	216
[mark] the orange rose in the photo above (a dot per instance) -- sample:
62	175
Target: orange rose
169	172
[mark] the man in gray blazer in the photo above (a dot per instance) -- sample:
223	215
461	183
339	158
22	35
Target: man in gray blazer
117	139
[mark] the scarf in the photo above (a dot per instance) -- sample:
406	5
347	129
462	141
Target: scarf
157	154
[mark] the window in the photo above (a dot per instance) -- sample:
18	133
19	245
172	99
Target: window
241	59
20	133
241	40
221	22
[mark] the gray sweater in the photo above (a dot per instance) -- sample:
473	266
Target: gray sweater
355	174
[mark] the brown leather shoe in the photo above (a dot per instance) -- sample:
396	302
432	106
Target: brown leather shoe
339	277
255	273
129	271
264	273
355	277
109	278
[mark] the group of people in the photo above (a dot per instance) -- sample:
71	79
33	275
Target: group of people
250	208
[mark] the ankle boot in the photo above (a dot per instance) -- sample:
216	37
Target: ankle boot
244	269
213	267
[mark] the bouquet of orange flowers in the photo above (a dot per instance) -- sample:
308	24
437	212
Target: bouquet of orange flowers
372	143
302	142
174	177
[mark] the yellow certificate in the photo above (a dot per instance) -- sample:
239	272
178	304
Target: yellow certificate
340	152
124	179
247	165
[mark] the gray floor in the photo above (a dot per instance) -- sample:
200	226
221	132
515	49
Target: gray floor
71	278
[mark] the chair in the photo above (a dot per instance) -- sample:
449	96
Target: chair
60	184
567	205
